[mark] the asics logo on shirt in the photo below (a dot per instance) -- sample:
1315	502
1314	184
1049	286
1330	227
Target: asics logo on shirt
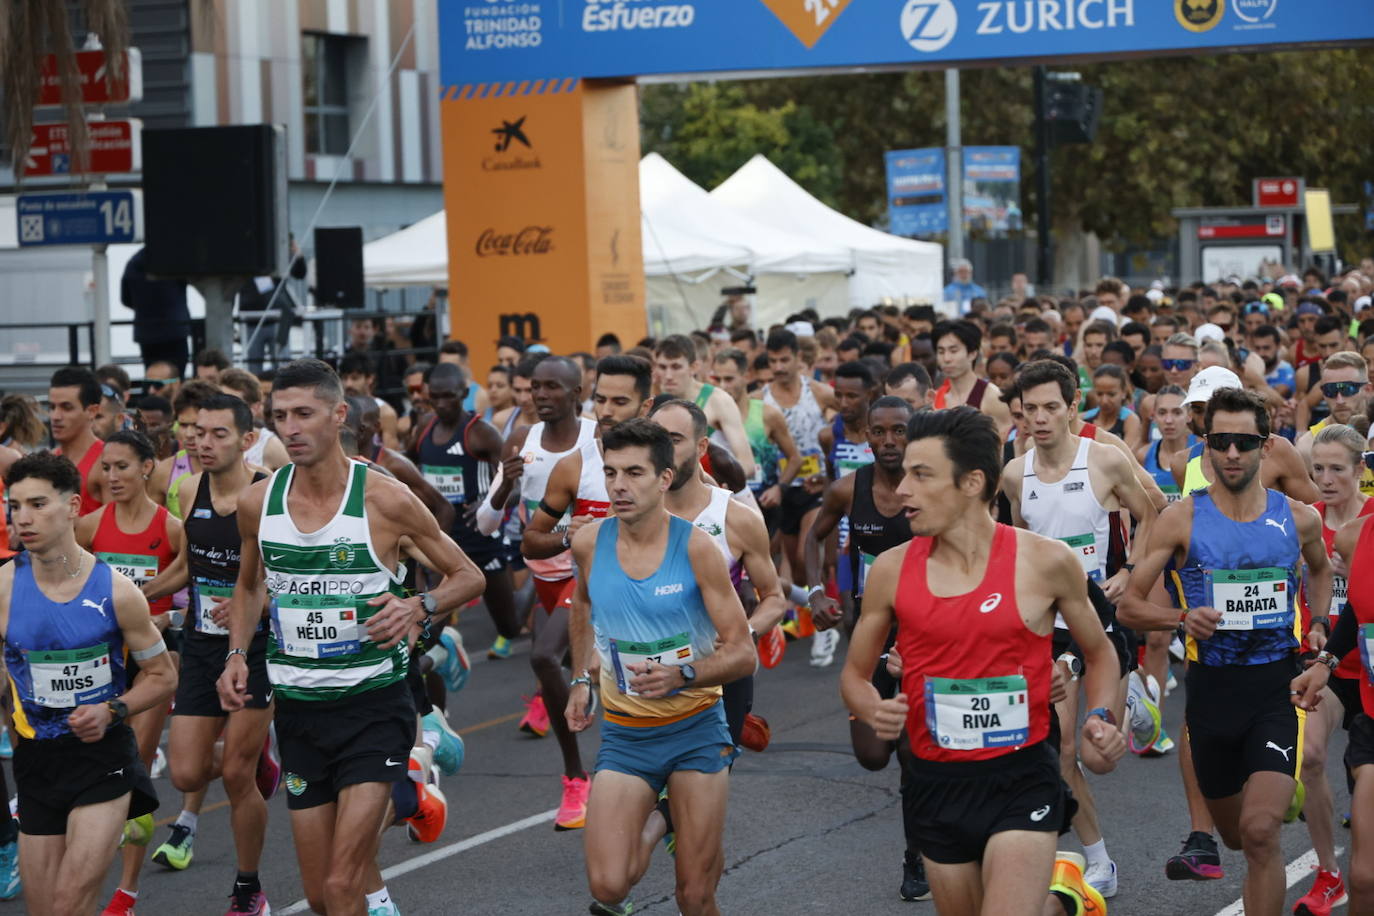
1039	814
674	589
1282	526
990	605
1282	750
86	602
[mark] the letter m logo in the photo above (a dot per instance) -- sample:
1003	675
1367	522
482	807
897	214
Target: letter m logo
525	326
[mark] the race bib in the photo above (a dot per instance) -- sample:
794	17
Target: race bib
846	466
810	463
317	626
64	678
447	480
973	713
865	566
205	603
671	650
141	569
1251	599
1340	591
1085	547
1367	649
1172	492
594	507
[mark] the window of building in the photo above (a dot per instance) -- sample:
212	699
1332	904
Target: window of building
325	66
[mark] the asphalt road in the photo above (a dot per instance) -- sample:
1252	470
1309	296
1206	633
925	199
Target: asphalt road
808	831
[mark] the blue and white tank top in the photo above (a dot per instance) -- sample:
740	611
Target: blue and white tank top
61	655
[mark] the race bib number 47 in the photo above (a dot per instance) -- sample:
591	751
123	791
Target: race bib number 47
672	650
1251	599
966	714
66	678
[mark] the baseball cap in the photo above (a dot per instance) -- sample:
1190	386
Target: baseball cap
1209	331
1154	295
1363	303
1273	300
537	348
1290	280
802	329
1104	313
1208	382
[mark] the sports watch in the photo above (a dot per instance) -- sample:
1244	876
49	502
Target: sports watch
428	603
119	710
689	675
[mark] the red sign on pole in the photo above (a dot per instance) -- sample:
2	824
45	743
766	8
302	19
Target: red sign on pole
114	147
92	68
1278	192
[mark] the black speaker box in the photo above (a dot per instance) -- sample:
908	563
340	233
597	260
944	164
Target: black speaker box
214	201
339	267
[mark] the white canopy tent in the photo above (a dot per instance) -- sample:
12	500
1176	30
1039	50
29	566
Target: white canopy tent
415	256
884	265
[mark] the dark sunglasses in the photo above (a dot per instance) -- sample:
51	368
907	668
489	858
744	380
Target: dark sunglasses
1177	365
1344	389
1369	460
1256	308
1244	442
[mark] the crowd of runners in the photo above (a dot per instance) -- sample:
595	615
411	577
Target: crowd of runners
1030	521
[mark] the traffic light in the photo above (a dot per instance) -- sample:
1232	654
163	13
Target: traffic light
1072	110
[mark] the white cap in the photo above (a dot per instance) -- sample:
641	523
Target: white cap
1208	382
1155	294
1209	331
1363	302
802	329
1104	313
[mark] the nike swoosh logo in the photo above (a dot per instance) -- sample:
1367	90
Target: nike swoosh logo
393	763
274	557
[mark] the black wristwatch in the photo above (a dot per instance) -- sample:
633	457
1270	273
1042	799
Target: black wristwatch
689	675
119	710
1323	620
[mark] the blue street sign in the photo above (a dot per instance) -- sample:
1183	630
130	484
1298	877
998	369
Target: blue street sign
80	218
508	41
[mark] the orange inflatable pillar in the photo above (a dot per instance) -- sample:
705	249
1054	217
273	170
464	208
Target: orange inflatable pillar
541	189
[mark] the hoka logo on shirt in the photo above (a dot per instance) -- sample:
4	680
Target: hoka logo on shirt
674	589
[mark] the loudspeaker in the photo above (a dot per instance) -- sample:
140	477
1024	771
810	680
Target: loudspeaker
214	201
339	267
1073	111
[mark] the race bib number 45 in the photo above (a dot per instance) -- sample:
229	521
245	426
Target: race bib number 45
972	713
672	650
1251	599
66	678
317	626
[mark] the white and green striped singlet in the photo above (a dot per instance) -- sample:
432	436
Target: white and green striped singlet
318	648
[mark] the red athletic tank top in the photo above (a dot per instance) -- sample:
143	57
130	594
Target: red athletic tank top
5	552
138	556
975	394
88	502
1088	432
1361	598
1350	665
978	681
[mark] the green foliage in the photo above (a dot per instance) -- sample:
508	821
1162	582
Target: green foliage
1176	132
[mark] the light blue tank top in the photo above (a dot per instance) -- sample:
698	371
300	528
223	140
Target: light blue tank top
61	655
1250	571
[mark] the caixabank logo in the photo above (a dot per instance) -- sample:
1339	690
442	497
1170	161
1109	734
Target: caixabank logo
1199	15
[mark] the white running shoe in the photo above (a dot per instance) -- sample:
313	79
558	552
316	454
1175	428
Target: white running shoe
1102	876
823	648
1142	710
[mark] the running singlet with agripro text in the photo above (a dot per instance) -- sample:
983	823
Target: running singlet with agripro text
61	655
978	681
318	648
661	617
1249	572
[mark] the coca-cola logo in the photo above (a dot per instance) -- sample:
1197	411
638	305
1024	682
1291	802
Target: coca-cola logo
530	240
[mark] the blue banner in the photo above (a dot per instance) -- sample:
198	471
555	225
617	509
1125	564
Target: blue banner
486	41
992	188
916	201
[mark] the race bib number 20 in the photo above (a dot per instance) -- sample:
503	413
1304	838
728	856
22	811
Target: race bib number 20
966	714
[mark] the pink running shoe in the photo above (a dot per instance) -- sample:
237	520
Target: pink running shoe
572	813
536	720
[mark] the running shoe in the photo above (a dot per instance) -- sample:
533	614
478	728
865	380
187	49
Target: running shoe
823	645
177	851
1177	651
1171	684
1296	805
1142	708
1067	879
756	733
500	648
456	667
427	823
771	647
789	626
138	831
1163	745
6	747
251	903
1102	876
914	883
806	628
10	883
572	813
623	908
536	720
385	909
159	769
1327	892
269	765
121	904
670	832
1198	860
449	754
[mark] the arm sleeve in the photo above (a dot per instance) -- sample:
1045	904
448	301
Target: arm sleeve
489	516
1344	637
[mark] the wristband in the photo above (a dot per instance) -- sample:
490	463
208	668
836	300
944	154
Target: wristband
811	592
142	655
1327	659
232	652
1323	620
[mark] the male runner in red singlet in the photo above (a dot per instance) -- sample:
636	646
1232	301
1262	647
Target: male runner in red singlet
73	405
974	604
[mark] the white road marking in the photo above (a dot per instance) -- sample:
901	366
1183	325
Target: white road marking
1298	869
444	852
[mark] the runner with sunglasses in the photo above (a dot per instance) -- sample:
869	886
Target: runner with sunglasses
1345	391
1237	549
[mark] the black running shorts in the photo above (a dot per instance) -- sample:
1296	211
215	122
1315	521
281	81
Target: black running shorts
1347	690
796	502
54	776
328	746
1360	751
202	662
1241	720
957	807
